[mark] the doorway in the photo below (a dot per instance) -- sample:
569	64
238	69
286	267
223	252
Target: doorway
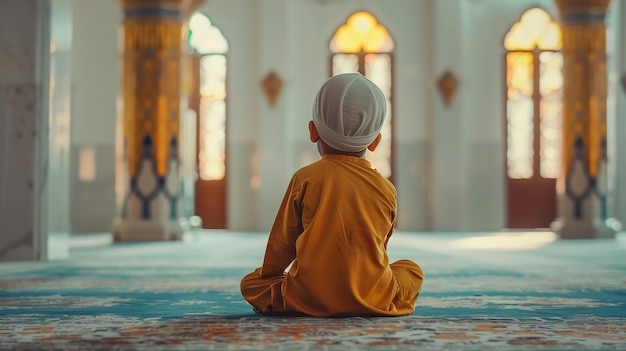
207	99
533	125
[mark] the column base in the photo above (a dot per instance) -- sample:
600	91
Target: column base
581	229
140	230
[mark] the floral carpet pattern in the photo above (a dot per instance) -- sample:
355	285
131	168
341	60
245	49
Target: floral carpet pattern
483	291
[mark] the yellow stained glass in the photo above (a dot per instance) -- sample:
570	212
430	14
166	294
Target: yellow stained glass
517	39
362	22
361	32
520	115
346	40
208	41
376	39
534	43
534	29
519	77
204	37
551	124
551	38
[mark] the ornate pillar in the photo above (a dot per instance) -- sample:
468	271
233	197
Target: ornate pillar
151	73
582	185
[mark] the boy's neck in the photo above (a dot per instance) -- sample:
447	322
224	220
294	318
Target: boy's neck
324	149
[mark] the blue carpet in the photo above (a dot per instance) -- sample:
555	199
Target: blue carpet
482	291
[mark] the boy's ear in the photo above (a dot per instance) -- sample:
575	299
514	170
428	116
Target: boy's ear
313	132
375	143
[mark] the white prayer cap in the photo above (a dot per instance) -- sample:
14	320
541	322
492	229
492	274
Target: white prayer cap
349	111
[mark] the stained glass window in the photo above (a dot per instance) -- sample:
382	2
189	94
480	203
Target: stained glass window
204	37
534	86
551	88
208	41
363	45
520	114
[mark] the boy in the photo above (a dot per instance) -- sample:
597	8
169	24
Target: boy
335	220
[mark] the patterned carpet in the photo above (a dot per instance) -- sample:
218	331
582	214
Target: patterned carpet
483	291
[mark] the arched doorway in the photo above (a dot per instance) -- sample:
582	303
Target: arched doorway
533	125
208	100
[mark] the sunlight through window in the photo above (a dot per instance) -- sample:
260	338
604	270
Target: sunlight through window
507	241
361	33
534	86
534	30
208	41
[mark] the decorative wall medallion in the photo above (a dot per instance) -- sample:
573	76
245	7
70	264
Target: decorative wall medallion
447	84
272	84
623	81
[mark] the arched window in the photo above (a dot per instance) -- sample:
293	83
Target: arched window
533	134
208	100
534	86
363	45
208	42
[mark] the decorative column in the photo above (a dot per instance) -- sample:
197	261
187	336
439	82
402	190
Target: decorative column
582	185
151	74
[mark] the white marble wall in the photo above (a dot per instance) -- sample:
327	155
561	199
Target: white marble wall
95	89
24	63
450	160
60	116
449	34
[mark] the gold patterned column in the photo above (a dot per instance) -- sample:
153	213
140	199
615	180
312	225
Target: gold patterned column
151	74
582	185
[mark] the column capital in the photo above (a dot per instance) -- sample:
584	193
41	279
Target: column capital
186	6
582	11
175	9
191	7
180	4
566	6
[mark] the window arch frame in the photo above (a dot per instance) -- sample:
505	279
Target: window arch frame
531	199
199	139
536	97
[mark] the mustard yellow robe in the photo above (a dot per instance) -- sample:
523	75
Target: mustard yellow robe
334	224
